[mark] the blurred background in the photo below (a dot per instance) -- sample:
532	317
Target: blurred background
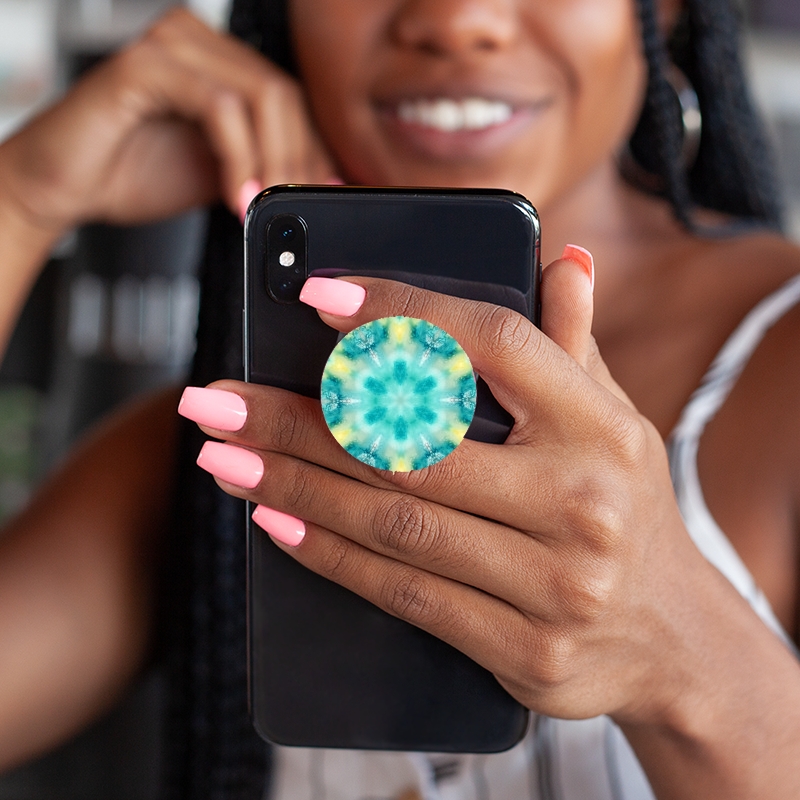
114	314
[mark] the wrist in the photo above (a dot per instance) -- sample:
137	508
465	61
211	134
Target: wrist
25	244
725	720
23	235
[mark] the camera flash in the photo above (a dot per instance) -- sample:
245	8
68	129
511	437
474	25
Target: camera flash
286	258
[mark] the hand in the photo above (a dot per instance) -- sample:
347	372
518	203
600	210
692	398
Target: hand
179	118
551	559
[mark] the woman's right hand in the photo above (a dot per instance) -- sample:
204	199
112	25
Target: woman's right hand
181	117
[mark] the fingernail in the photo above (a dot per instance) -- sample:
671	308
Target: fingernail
250	188
216	408
580	255
232	464
283	527
334	296
334	180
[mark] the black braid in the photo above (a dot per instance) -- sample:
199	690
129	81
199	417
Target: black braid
656	143
733	172
212	751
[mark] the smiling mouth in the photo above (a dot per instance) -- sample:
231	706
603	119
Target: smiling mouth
451	116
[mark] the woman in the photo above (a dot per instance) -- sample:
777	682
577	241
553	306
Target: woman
581	583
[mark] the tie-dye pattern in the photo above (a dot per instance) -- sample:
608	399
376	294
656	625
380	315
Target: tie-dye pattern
398	393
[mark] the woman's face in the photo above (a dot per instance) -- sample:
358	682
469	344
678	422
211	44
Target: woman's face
530	95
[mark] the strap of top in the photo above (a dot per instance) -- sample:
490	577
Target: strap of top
684	441
726	368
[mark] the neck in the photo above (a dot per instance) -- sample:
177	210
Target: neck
610	218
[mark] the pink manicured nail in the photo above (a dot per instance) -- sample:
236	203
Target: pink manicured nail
232	464
280	526
334	296
249	190
580	255
216	408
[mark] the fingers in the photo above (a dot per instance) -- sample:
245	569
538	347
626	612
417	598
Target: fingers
417	532
168	87
252	117
531	377
286	147
269	419
449	610
514	485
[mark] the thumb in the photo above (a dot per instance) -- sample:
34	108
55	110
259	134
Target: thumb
567	310
568	303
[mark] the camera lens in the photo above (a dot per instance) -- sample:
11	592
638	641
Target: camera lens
286	255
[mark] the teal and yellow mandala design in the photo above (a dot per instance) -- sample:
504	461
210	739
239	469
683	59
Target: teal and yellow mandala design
398	393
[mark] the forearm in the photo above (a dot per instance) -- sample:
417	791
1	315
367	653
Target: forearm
77	578
733	730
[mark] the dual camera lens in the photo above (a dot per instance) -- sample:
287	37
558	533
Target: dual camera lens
287	241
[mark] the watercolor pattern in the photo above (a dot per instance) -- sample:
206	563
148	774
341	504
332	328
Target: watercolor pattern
398	393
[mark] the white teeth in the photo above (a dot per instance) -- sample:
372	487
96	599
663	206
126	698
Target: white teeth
448	115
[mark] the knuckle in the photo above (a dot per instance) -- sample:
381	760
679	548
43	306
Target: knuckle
594	514
506	333
589	591
334	559
300	489
288	427
131	60
407	300
551	665
406	525
627	438
412	598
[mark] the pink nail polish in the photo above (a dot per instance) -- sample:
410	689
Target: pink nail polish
216	408
232	464
580	255
249	190
283	527
334	296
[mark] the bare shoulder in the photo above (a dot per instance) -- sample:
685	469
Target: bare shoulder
749	459
755	263
759	267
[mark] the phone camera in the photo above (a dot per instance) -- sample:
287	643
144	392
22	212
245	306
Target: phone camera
286	257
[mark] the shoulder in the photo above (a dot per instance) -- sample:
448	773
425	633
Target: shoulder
763	271
749	458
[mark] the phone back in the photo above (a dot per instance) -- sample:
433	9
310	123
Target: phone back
327	668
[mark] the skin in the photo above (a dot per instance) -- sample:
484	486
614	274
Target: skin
572	577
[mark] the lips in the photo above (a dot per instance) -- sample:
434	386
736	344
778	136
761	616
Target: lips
463	127
449	115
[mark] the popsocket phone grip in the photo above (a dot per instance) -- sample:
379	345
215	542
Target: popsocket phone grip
398	393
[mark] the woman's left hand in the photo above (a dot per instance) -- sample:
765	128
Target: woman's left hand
557	560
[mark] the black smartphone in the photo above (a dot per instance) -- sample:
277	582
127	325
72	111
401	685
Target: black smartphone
327	668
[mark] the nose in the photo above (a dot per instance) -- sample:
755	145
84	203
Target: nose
450	27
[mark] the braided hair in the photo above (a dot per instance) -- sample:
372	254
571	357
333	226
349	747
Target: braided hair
211	749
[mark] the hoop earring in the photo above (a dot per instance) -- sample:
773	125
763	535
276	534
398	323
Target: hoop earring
691	120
